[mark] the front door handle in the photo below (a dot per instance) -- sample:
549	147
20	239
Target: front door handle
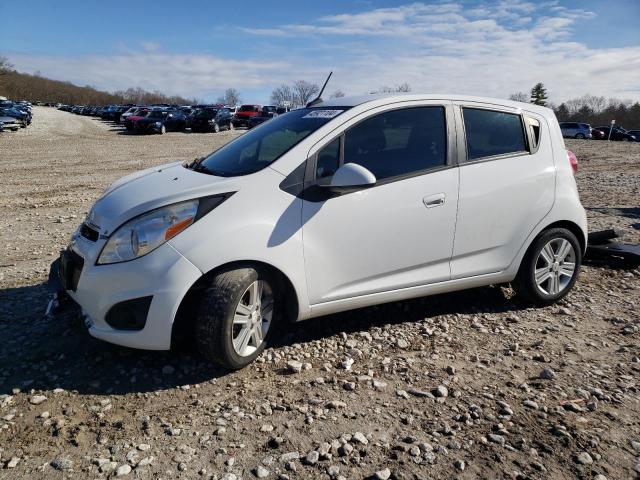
434	200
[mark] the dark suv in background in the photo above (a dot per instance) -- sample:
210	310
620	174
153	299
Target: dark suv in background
618	133
211	120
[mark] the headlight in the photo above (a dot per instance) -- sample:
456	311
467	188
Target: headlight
145	233
158	124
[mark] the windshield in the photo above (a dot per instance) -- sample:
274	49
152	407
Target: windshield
260	147
207	113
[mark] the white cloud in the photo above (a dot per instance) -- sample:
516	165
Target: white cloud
151	46
493	49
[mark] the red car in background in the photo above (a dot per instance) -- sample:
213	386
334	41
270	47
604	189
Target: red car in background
597	134
131	120
241	118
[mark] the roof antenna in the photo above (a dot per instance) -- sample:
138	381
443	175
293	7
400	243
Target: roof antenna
318	99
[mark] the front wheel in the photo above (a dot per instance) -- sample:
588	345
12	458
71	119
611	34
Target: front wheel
580	136
550	267
235	320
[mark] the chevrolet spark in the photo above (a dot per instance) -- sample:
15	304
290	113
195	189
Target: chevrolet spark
340	205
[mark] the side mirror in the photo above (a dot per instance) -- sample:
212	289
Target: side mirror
351	176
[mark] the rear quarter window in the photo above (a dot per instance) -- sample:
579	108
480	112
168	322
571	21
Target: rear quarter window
491	133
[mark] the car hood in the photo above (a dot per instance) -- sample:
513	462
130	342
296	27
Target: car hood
4	119
155	187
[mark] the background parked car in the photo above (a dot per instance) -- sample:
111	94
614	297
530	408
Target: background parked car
22	118
266	113
161	121
597	134
618	133
211	120
129	122
635	133
9	123
575	130
241	118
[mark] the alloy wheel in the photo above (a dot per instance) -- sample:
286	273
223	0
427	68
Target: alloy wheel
252	318
555	266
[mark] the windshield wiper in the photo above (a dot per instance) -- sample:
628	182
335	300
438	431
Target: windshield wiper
197	166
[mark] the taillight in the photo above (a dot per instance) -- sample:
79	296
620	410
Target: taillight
573	160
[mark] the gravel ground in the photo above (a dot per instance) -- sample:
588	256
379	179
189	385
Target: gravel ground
465	385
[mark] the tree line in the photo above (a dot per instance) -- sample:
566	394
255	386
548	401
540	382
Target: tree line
33	88
591	109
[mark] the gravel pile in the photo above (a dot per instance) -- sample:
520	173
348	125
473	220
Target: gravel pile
465	385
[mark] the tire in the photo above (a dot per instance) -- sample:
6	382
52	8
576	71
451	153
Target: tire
580	136
625	139
216	128
225	303
558	283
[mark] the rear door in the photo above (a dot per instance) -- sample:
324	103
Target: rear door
507	186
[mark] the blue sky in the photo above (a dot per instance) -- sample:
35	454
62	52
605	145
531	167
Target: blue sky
197	50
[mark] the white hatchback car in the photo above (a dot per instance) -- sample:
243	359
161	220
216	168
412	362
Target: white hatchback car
345	204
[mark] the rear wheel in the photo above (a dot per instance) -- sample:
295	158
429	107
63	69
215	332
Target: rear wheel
580	136
550	267
235	319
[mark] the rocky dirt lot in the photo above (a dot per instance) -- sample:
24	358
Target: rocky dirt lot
465	385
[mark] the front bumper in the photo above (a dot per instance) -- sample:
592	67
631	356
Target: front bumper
241	122
147	127
164	274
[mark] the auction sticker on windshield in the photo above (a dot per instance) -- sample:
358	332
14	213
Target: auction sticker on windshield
323	113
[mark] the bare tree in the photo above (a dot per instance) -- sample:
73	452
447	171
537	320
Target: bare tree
5	66
337	94
231	97
303	91
402	88
282	95
519	97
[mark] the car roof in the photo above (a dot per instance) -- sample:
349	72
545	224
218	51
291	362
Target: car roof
386	98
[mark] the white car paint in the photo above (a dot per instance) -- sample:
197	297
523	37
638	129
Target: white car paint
459	227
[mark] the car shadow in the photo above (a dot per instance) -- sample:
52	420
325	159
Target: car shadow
44	353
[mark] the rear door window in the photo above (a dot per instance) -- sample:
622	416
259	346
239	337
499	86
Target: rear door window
490	133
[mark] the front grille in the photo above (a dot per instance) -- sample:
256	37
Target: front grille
89	233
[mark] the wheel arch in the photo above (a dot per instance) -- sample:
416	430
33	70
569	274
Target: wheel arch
572	227
182	328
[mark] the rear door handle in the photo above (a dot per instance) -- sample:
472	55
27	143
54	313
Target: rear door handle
434	200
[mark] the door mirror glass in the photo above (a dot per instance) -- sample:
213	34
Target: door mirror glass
351	175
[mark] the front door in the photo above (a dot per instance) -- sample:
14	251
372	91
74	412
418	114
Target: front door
396	234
